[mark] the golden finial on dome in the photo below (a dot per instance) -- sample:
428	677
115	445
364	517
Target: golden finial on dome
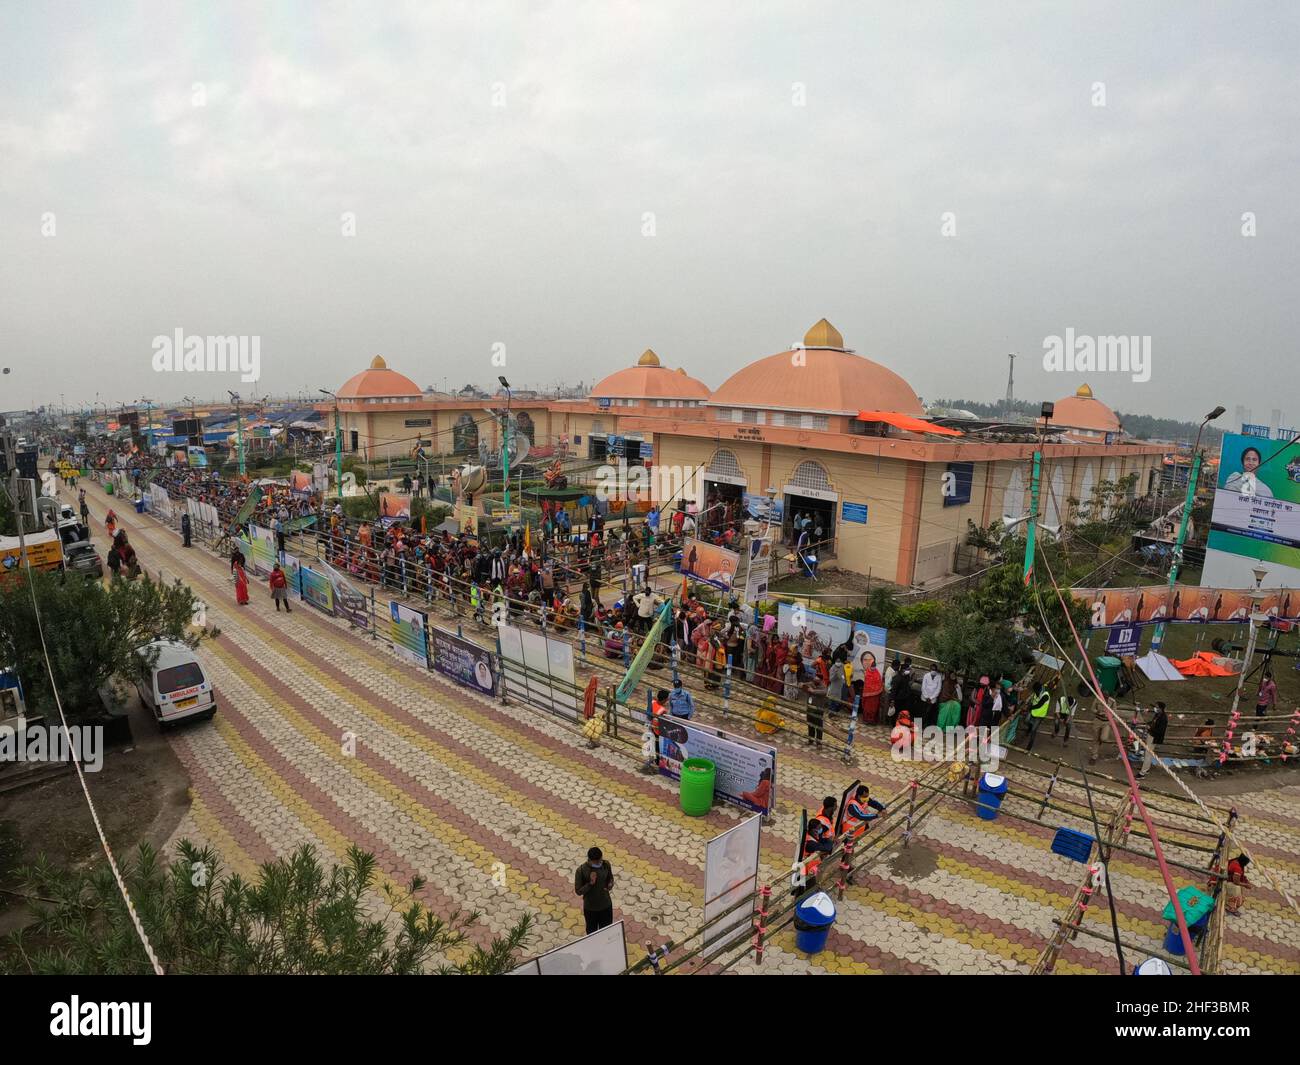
1084	392
682	370
649	358
823	335
377	363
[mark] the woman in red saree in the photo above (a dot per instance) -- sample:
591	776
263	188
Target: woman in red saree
775	677
873	684
241	585
1236	883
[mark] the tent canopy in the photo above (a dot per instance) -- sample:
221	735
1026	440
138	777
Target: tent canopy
906	421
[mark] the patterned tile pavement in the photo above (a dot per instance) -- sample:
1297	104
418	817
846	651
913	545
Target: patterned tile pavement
325	737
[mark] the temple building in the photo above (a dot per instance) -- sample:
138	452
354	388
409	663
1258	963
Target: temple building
818	429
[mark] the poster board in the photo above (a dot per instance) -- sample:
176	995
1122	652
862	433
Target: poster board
709	563
603	953
539	670
464	662
746	769
408	630
731	873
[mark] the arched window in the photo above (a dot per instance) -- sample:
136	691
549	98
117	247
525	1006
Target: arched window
1056	497
1013	499
725	464
464	435
811	475
524	426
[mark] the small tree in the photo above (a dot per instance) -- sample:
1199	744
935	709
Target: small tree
971	645
91	631
295	918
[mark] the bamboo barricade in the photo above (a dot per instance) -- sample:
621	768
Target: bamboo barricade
1121	817
836	872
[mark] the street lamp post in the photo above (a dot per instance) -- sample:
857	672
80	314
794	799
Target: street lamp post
148	429
505	443
1175	562
239	430
1045	414
338	445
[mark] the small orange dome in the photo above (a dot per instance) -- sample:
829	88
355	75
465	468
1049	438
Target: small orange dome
378	382
650	379
1083	411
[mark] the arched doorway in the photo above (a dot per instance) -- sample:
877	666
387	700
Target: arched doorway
810	503
724	490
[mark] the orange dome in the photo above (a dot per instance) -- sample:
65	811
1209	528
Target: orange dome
1082	411
818	377
648	379
378	382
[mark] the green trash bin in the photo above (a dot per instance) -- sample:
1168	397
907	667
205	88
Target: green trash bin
1108	667
698	776
108	488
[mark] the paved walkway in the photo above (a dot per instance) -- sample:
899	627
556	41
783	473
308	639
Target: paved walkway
326	737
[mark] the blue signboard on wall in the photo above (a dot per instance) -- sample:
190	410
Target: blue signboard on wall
855	512
956	483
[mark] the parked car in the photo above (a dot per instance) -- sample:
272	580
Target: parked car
177	686
81	557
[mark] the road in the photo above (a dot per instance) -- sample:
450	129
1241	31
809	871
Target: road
496	806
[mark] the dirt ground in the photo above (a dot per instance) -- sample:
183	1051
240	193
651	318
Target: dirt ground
141	794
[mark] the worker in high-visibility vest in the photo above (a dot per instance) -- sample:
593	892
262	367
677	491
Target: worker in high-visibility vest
650	739
1039	702
860	809
819	837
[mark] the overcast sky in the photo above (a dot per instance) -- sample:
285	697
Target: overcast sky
798	160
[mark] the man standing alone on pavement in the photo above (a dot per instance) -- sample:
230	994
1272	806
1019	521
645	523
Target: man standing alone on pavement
593	881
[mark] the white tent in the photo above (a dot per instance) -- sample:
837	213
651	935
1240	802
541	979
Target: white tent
1157	667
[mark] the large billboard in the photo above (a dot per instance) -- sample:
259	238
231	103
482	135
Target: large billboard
1256	516
1122	607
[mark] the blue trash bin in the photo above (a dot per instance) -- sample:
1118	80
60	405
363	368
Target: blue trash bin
813	918
992	787
139	506
1174	939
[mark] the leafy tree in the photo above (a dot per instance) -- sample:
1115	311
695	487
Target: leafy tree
971	645
91	631
295	918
